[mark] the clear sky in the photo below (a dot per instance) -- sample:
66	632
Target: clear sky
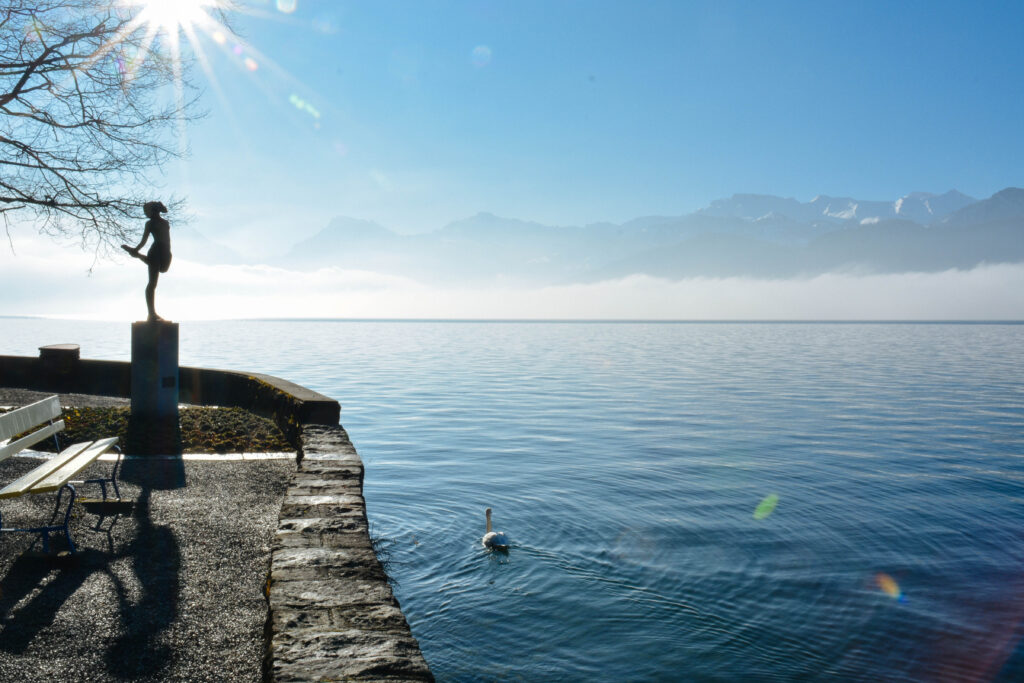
576	111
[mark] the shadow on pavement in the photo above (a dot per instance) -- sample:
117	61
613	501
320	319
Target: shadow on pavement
156	564
147	596
26	575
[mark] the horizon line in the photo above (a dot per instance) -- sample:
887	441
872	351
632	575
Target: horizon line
676	321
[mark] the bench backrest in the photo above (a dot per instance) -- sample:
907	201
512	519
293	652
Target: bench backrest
24	419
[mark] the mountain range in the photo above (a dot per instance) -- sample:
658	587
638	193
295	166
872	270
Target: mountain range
743	235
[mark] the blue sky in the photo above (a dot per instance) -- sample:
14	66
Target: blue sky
570	112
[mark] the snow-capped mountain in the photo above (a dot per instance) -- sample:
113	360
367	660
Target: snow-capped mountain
920	207
743	235
923	207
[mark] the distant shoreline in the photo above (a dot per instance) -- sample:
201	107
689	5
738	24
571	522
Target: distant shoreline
589	321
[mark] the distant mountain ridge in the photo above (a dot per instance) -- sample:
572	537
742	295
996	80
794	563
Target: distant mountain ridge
921	207
1006	204
743	235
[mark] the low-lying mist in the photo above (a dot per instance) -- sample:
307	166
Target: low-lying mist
52	282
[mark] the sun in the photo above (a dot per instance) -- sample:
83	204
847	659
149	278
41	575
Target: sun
171	15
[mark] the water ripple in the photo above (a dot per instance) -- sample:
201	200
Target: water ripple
626	463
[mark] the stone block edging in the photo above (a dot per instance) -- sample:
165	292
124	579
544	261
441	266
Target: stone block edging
333	615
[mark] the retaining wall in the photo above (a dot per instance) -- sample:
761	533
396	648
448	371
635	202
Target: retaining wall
332	614
288	404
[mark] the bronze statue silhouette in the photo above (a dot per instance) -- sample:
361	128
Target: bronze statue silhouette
158	258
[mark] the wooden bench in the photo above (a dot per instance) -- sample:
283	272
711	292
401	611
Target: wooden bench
41	421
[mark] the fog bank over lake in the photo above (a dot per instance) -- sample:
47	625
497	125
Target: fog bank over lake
52	283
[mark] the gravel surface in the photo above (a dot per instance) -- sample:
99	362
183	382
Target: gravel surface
171	591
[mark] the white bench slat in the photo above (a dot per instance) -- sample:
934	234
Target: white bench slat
26	481
73	466
30	440
24	419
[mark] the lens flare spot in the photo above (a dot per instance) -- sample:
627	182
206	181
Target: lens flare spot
303	105
287	6
481	56
219	37
888	585
325	26
766	506
32	31
251	64
238	49
634	546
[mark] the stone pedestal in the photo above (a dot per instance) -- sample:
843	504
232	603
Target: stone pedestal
155	370
154	420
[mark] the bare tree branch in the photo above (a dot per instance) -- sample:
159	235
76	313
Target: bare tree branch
88	112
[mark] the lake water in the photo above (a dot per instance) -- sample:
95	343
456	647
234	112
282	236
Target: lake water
685	501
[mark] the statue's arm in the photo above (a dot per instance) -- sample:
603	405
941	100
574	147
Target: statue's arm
145	236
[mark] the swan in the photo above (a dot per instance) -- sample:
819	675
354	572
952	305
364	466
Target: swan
495	540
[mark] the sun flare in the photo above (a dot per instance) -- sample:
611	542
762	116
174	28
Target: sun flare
171	15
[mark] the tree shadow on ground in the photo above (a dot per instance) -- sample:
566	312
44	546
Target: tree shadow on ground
27	574
156	564
154	474
147	600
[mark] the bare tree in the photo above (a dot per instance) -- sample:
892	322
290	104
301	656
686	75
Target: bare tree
90	101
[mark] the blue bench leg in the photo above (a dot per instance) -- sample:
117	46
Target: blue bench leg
113	473
45	531
67	518
112	478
